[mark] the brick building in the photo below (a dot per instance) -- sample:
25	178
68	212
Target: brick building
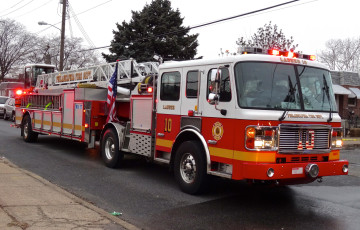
346	86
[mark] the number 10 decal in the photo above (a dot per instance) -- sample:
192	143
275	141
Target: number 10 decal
168	123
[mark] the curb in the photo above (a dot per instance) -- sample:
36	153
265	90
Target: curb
78	200
351	139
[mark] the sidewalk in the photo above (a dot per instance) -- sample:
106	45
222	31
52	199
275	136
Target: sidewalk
351	141
352	144
29	202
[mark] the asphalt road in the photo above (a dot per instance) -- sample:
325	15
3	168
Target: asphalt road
149	198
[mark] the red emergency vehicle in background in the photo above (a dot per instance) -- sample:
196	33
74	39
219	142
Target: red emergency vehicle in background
29	76
260	116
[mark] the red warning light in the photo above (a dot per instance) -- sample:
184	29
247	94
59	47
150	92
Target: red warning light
312	57
190	113
149	89
19	92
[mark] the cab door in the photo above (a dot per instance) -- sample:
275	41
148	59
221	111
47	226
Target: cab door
218	123
168	109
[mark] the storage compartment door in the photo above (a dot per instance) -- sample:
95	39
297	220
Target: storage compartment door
79	110
68	118
141	114
47	121
37	122
56	125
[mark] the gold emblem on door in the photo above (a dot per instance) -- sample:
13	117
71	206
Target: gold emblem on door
217	130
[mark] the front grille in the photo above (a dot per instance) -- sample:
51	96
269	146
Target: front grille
303	159
293	138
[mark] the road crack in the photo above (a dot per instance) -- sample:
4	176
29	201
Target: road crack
14	222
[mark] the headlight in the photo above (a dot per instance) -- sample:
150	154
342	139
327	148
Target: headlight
261	138
336	138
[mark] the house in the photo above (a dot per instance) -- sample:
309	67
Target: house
346	87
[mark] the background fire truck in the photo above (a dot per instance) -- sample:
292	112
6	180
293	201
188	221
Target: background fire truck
261	116
28	76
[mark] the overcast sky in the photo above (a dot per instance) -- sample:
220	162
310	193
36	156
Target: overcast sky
310	22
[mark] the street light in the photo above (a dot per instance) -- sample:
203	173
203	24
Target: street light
62	41
42	23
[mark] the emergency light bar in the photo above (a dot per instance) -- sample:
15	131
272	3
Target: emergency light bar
275	52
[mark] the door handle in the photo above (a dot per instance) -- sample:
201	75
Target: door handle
212	142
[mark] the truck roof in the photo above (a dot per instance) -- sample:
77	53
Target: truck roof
244	57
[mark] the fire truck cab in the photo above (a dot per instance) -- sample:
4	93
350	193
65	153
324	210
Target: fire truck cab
254	116
32	71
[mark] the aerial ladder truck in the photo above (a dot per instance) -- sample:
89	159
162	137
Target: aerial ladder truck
263	116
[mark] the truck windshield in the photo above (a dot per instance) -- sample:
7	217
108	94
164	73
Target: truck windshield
39	70
283	87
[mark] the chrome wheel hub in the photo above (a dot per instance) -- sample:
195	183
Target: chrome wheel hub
109	148
26	130
188	168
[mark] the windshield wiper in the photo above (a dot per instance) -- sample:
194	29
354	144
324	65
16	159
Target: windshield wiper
290	96
326	89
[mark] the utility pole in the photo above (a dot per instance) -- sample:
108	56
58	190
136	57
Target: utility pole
62	41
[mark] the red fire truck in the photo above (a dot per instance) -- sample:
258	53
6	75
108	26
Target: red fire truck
264	115
29	76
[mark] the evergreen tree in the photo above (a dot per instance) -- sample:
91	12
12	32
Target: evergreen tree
268	37
157	29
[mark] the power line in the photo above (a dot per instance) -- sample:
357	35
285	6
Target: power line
34	9
287	7
242	15
94	7
76	14
13	6
17	9
82	30
206	24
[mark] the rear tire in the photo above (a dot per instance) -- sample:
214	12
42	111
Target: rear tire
190	167
28	134
110	152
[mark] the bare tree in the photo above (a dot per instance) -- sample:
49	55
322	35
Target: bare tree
75	54
40	52
342	55
15	45
268	37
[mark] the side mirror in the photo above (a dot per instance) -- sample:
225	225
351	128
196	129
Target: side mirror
215	75
213	98
214	88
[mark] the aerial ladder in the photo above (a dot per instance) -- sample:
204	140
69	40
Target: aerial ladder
129	72
72	104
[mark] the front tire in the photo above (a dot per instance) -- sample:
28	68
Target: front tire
190	167
110	152
28	134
